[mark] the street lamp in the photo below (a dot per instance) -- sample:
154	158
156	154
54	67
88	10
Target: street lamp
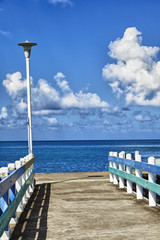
27	51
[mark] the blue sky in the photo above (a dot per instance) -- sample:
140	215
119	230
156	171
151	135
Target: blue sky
95	71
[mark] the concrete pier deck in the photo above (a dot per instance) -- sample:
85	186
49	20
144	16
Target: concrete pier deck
85	206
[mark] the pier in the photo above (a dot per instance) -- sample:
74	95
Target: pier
85	206
90	205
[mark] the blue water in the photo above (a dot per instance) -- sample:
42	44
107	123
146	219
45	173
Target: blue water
75	156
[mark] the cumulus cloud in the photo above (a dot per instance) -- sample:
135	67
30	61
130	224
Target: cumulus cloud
61	82
46	97
14	84
136	72
83	100
22	106
3	114
48	101
63	2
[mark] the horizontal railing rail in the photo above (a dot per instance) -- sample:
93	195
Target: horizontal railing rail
143	182
134	164
121	168
16	186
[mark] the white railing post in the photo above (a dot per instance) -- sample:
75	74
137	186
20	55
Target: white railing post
24	199
18	186
31	169
111	165
5	202
121	168
29	172
27	176
139	189
152	178
12	192
129	170
136	153
115	176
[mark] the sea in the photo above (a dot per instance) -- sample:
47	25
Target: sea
75	156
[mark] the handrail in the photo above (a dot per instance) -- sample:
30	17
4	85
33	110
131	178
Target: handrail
15	189
140	165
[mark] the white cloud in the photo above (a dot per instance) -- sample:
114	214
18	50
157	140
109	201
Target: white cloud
48	112
47	101
3	114
112	110
14	83
137	72
129	47
61	82
146	117
63	2
22	106
52	121
83	100
141	118
45	97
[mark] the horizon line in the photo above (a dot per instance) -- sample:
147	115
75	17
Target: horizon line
78	140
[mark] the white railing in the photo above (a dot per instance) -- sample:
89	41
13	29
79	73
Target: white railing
16	187
121	167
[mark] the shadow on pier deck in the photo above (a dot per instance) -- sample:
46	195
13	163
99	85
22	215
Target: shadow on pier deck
85	206
33	221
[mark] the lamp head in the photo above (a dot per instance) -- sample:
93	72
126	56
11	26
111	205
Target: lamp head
27	47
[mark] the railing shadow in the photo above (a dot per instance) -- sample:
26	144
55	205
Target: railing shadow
32	223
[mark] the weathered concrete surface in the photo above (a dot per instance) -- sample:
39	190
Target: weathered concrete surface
85	206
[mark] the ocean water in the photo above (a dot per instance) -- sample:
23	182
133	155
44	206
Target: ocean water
75	156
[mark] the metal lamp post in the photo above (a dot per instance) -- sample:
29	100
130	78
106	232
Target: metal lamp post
27	51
